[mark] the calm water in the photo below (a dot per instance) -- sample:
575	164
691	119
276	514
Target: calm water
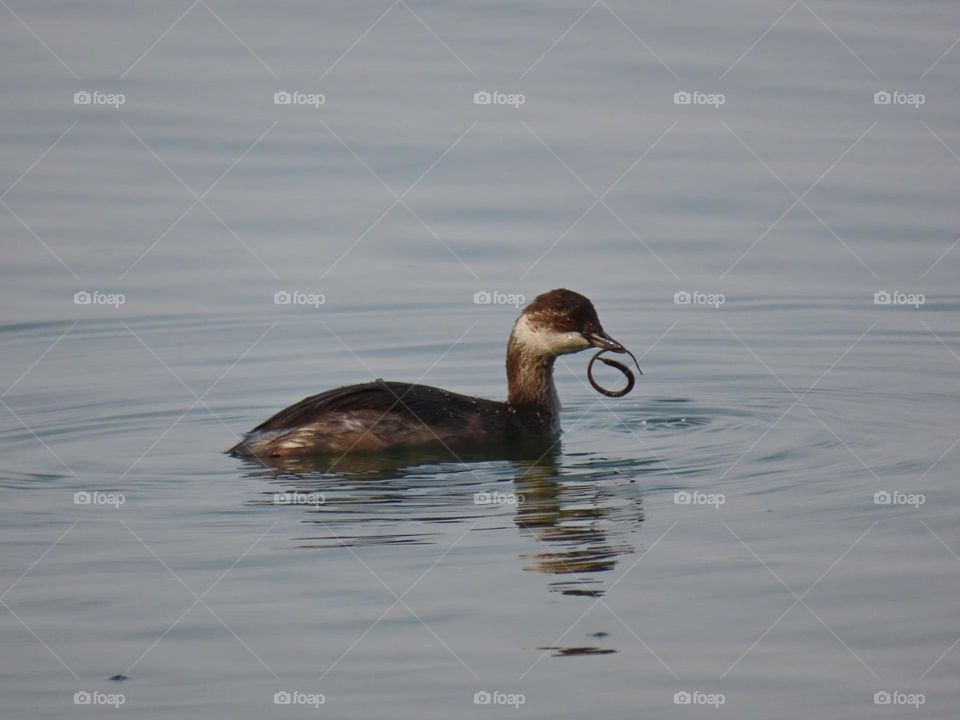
785	588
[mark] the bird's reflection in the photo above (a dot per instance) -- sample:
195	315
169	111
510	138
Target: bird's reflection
570	521
579	527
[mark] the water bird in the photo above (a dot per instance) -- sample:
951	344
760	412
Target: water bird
385	415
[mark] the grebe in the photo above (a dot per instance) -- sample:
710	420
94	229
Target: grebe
382	415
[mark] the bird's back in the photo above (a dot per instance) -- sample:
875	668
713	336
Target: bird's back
379	415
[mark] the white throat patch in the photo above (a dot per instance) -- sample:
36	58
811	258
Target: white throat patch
542	341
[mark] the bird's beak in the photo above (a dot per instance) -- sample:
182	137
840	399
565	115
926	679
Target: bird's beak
603	341
600	339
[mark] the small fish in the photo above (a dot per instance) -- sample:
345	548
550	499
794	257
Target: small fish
614	364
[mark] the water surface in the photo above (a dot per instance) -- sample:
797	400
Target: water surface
588	586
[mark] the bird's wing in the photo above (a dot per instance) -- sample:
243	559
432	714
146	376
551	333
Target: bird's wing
421	402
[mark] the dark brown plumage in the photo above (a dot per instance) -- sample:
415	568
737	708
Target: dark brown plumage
380	415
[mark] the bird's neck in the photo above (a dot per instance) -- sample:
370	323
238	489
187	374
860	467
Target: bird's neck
530	388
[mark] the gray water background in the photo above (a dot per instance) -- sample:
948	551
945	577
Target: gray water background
398	199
